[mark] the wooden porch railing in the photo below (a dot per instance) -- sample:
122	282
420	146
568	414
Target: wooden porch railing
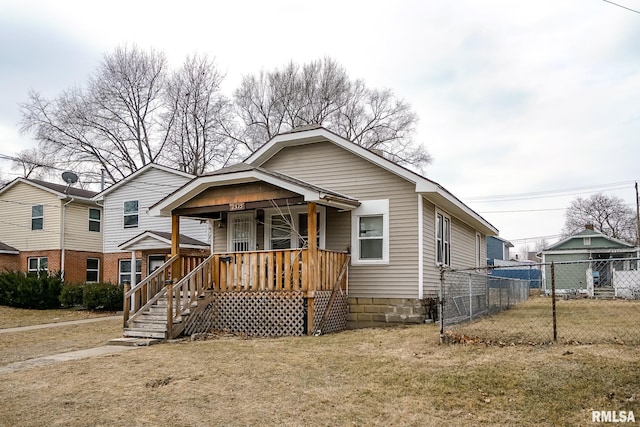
139	297
280	270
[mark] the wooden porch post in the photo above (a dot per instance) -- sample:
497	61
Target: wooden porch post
312	267
175	248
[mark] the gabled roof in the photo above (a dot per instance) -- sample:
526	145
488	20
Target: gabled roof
164	239
504	241
245	173
6	249
139	172
592	234
60	190
431	190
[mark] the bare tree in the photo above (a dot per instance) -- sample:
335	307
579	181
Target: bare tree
608	215
30	163
195	117
321	93
113	123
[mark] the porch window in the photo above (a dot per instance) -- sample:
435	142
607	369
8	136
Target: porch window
303	221
94	219
93	270
443	239
370	232
280	232
124	274
38	264
131	214
37	217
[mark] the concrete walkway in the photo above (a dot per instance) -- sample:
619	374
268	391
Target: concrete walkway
63	357
58	324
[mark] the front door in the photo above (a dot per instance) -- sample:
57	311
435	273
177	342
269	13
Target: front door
242	232
155	262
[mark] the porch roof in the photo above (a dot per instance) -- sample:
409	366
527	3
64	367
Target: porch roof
163	239
6	249
243	173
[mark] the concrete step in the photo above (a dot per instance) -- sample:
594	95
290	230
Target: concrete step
134	342
144	333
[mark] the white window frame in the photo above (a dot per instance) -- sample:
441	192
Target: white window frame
369	208
39	261
126	214
93	220
295	212
446	245
96	270
41	218
138	272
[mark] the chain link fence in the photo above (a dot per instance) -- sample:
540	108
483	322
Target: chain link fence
581	302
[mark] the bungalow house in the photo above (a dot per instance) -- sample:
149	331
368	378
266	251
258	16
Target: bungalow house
304	221
132	236
50	227
601	265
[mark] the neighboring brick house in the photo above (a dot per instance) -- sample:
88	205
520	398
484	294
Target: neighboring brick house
53	227
134	237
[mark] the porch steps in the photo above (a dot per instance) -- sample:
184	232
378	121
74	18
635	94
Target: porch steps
152	324
604	293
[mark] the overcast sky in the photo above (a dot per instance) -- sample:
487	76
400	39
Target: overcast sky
538	99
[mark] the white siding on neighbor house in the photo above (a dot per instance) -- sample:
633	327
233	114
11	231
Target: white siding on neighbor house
77	234
147	188
15	218
326	165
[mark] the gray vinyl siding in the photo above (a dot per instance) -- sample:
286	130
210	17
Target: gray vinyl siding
431	270
463	245
329	166
338	230
147	188
15	215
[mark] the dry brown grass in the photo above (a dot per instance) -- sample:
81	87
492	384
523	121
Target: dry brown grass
15	317
395	376
585	321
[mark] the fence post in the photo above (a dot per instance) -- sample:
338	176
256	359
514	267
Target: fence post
553	302
441	305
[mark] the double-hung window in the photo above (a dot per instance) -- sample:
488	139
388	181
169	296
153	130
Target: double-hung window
370	232
93	270
131	214
124	274
443	239
37	217
94	219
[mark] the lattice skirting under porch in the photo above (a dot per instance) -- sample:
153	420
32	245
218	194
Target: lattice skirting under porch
337	318
253	313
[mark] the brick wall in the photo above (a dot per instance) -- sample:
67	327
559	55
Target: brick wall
9	262
371	311
75	263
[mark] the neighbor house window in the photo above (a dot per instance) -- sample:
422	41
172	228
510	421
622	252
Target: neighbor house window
370	232
37	217
94	219
38	264
124	274
93	270
586	241
443	239
131	214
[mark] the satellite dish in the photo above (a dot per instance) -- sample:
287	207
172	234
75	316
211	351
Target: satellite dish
69	177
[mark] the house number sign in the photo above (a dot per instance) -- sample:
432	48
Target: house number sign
236	206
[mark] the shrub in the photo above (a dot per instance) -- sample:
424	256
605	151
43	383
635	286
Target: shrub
71	295
22	290
102	296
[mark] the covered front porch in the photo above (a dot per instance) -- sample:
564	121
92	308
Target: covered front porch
273	269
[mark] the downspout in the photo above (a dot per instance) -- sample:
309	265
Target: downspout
420	248
63	231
